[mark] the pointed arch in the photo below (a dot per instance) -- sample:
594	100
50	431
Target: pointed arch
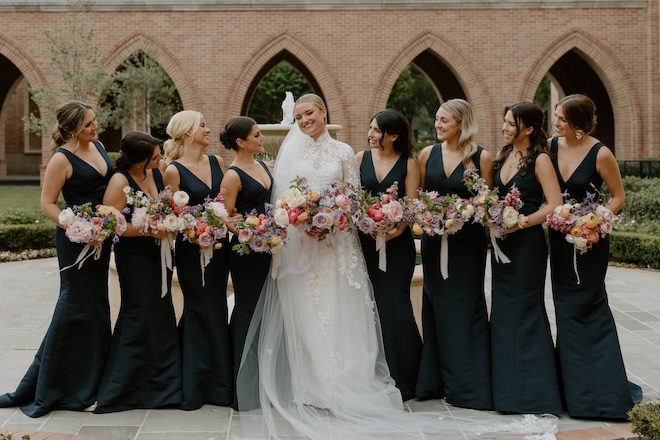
612	73
467	79
138	41
309	58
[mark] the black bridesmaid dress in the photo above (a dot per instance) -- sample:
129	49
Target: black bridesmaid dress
592	371
401	338
456	355
205	340
66	370
523	358
143	369
248	271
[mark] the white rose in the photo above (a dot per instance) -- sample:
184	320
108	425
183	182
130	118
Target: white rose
66	217
171	222
509	216
292	197
180	198
219	209
281	217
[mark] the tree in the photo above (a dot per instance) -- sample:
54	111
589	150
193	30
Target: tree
73	55
141	95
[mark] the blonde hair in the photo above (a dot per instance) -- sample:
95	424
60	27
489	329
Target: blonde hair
70	119
181	123
315	99
461	111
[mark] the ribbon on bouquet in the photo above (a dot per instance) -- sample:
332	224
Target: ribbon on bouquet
499	255
85	253
205	256
444	256
166	246
277	260
575	251
381	247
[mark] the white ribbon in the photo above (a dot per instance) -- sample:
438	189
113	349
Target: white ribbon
86	252
166	246
205	256
277	260
444	256
499	255
575	251
382	251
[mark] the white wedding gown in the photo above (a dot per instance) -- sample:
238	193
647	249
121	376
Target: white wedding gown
314	355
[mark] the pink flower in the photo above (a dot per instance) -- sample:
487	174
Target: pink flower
244	235
342	201
341	222
80	231
376	212
393	210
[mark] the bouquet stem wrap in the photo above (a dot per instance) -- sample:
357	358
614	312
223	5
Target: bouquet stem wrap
87	252
166	246
575	268
444	256
205	256
499	255
381	247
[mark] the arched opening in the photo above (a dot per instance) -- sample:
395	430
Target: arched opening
284	72
141	97
20	150
573	74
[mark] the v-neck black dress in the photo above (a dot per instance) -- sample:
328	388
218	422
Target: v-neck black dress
456	355
205	340
66	369
401	338
524	366
592	371
248	271
143	369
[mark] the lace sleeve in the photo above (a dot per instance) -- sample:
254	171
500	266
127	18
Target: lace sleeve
350	168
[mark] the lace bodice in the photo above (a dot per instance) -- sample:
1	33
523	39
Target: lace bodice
326	160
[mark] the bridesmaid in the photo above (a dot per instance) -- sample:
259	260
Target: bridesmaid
523	359
591	366
143	369
456	354
247	186
390	159
66	369
204	330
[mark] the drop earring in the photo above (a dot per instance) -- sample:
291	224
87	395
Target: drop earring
578	134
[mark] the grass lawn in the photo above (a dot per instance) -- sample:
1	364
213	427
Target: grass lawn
19	197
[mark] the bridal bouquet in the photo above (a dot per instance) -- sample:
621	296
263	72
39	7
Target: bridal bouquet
582	223
493	211
260	233
206	226
166	213
380	215
84	224
318	213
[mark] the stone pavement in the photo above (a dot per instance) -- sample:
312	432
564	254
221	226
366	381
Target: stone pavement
28	292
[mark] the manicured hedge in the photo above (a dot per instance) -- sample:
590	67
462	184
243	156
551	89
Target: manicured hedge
33	236
638	249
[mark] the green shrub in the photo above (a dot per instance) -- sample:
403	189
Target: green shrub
645	418
638	249
113	156
20	237
648	227
22	216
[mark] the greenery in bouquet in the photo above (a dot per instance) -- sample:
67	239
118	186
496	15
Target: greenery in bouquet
582	223
490	209
84	224
318	213
260	233
164	213
382	213
206	223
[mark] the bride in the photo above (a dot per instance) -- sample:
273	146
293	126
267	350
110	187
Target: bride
314	354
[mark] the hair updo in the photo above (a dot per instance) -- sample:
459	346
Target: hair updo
70	119
236	128
580	112
181	123
136	148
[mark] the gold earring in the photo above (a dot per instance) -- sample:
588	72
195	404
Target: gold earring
578	134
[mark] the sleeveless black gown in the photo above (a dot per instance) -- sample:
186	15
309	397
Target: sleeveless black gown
66	369
248	271
143	369
524	366
205	340
456	355
401	338
592	371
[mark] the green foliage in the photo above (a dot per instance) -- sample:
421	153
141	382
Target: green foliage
645	418
22	216
141	95
542	99
74	56
415	98
33	236
114	155
638	249
642	198
266	103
